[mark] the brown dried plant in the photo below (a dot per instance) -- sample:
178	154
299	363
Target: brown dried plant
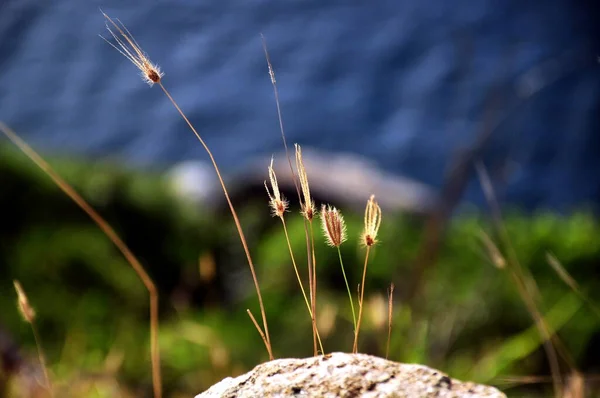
151	74
334	229
308	210
279	205
390	309
368	239
310	243
114	238
28	314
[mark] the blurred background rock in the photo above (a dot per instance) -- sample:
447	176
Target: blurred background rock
398	98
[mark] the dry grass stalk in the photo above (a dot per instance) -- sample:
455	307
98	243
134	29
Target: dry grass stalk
312	280
262	335
114	238
524	282
390	308
495	256
28	314
334	229
562	272
308	211
310	243
571	282
150	72
368	239
279	205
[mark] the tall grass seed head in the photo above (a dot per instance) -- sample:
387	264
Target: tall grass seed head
334	227
372	222
308	205
277	202
130	49
25	309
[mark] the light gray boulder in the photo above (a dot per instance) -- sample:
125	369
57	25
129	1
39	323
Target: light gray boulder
345	375
341	179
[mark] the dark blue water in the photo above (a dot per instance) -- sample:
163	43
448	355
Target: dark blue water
409	84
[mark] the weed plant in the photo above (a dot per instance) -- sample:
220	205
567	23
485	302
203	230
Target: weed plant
498	250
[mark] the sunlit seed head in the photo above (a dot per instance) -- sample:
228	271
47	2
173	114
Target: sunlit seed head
308	205
334	227
372	222
277	202
130	49
25	309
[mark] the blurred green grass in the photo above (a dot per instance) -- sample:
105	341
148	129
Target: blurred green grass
93	312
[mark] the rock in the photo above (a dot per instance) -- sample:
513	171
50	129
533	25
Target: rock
341	179
345	375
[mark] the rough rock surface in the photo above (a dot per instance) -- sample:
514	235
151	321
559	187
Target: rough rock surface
345	375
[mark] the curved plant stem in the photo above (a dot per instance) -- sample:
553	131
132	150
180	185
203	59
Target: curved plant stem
115	239
295	179
287	238
262	335
235	218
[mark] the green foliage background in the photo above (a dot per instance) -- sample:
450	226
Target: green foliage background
92	310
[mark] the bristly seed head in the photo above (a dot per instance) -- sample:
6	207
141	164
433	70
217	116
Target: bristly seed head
129	48
277	202
334	227
308	205
25	309
372	222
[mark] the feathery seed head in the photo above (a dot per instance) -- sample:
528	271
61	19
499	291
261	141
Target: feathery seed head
129	48
334	227
308	205
277	202
25	309
372	222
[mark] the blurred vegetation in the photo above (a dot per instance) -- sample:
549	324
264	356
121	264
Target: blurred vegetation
92	311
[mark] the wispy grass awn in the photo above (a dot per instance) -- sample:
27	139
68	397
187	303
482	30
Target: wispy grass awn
151	74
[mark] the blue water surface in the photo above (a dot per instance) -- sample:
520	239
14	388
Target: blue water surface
412	85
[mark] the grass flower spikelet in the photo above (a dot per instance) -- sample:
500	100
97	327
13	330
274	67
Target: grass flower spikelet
334	227
308	205
129	48
372	222
277	202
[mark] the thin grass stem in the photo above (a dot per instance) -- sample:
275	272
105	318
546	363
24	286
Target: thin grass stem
312	283
233	213
114	238
348	289
312	279
287	238
360	303
42	358
390	308
262	335
564	275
